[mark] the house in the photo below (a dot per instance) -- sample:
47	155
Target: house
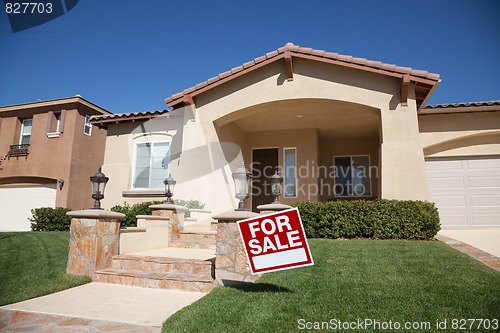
333	126
48	150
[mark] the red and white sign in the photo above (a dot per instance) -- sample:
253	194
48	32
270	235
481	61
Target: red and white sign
275	242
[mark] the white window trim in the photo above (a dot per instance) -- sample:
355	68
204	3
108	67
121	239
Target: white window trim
132	182
352	181
284	173
89	126
22	128
57	133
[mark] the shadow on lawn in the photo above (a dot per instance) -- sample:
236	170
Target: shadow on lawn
256	287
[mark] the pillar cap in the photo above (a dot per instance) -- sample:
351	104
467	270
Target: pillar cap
96	214
169	207
275	207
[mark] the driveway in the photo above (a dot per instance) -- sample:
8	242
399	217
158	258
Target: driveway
487	240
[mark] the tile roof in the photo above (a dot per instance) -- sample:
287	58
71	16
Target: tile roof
468	107
305	51
123	117
460	105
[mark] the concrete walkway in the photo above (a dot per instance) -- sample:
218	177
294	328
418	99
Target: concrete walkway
480	244
96	307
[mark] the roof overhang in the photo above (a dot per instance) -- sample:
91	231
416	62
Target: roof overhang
61	102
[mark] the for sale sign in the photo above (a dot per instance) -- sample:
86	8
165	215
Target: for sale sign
275	242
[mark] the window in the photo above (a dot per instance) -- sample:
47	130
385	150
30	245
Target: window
151	164
290	173
26	132
352	176
87	129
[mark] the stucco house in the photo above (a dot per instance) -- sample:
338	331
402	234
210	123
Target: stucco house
48	150
334	126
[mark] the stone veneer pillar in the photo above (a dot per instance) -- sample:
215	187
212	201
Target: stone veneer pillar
231	264
176	215
94	240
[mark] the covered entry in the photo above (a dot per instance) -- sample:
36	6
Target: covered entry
324	149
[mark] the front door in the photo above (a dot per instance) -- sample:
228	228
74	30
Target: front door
264	163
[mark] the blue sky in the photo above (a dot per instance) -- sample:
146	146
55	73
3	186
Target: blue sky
128	56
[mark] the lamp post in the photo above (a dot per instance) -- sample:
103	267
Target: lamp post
276	181
241	179
169	188
98	182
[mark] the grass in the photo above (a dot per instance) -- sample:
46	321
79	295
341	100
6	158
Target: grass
33	264
398	281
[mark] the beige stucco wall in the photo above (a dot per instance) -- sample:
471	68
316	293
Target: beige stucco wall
120	153
460	134
401	150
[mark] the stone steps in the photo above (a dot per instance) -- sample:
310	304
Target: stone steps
198	235
192	244
160	272
186	282
163	264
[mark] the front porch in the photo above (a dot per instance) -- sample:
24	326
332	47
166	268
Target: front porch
325	150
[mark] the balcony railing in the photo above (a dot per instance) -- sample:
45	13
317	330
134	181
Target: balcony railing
18	150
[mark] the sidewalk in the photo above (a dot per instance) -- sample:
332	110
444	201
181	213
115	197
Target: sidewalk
96	307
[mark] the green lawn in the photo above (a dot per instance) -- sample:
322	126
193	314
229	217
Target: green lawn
33	264
398	281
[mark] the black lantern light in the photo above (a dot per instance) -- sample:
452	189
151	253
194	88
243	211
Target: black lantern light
276	181
241	179
98	182
169	188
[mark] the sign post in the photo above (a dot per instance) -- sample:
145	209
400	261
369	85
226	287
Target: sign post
275	242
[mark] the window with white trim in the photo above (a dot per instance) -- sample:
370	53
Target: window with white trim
26	132
352	176
151	164
290	181
87	128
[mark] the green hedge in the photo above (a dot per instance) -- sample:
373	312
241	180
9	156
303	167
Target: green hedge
50	219
379	219
131	211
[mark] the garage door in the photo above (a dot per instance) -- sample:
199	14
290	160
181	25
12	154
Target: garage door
466	191
16	204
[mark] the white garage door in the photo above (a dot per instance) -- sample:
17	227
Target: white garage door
16	204
466	191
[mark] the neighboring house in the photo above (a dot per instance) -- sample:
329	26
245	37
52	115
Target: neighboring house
48	150
334	126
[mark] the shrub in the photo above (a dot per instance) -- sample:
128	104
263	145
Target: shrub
131	212
380	219
50	219
130	219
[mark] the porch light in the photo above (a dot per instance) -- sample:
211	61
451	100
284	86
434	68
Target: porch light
241	179
98	182
276	181
169	188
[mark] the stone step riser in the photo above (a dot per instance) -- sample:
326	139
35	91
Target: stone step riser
192	268
192	245
197	237
194	286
